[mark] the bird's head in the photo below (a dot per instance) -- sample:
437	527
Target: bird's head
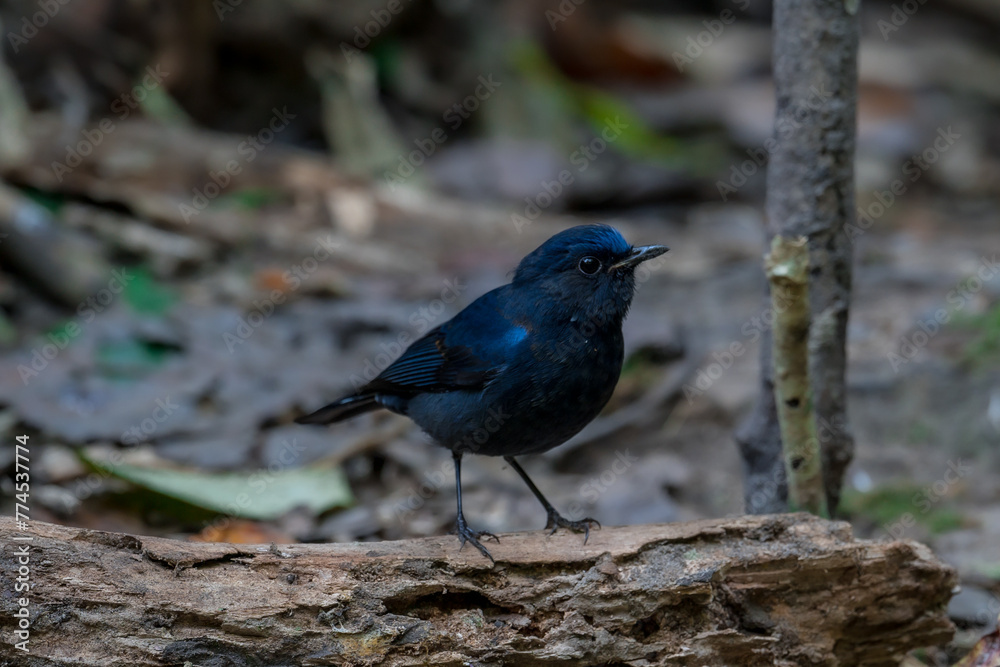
589	268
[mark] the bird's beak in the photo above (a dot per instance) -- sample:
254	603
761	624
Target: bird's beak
639	255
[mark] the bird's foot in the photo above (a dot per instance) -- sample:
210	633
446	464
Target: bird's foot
466	534
557	521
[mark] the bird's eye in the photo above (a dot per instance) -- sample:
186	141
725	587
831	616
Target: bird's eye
590	265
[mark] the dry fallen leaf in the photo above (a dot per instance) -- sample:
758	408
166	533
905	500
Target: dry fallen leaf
238	531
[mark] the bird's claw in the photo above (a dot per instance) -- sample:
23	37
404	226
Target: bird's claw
557	521
466	534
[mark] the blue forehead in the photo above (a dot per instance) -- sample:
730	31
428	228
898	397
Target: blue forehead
567	246
598	237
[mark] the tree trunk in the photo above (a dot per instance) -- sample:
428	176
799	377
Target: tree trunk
765	590
810	192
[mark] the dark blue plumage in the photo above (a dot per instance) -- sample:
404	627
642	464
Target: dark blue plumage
524	367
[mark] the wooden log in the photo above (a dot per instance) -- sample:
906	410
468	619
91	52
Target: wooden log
787	589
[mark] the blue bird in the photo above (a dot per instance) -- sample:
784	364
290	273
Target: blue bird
524	367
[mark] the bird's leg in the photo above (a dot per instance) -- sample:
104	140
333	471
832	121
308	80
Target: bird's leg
555	519
466	534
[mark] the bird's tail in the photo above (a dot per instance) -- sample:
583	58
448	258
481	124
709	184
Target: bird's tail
345	408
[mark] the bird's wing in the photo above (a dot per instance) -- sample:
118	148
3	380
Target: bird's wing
463	353
432	364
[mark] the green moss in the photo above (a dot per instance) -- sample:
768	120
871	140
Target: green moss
881	505
991	570
944	520
985	347
920	432
145	294
886	504
131	358
249	199
572	102
53	203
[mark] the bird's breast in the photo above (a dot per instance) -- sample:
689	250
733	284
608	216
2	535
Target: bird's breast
572	346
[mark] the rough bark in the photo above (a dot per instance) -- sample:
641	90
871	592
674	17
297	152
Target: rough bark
761	590
810	192
765	486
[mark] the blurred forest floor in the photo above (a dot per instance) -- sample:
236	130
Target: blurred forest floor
218	216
